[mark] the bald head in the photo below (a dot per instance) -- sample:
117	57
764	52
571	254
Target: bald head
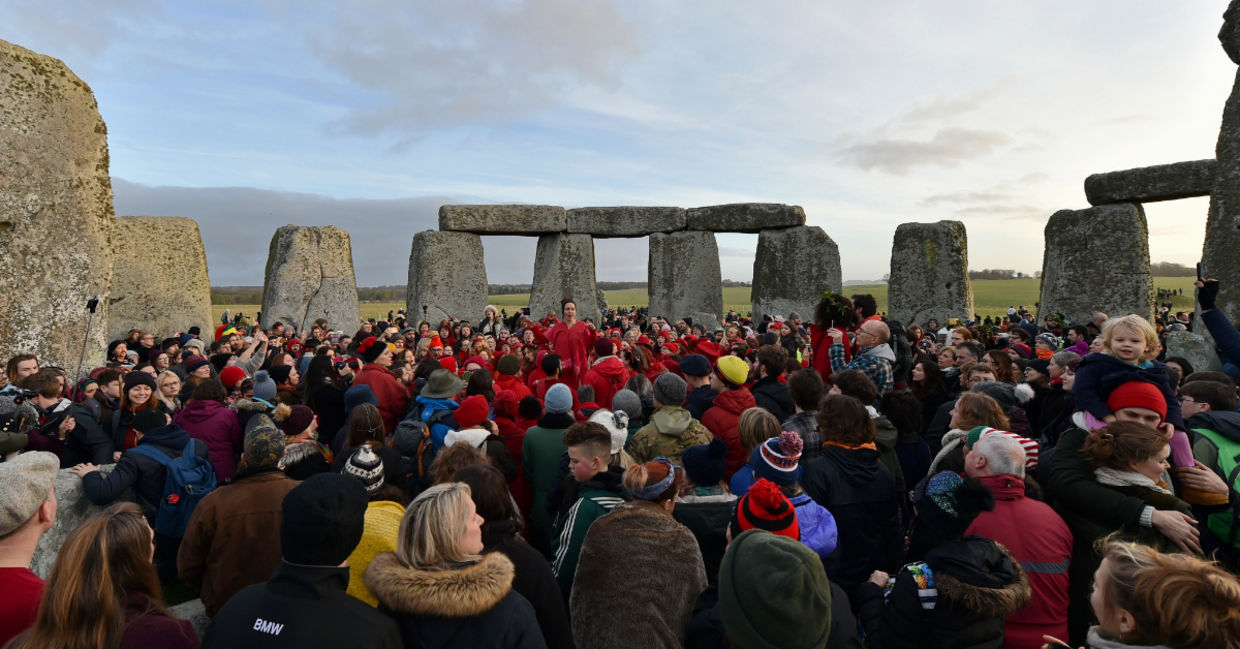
876	328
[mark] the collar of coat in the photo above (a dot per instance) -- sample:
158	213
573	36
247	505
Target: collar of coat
456	591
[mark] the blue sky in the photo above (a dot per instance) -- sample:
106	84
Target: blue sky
369	115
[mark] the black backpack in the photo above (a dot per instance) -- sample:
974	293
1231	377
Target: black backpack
412	439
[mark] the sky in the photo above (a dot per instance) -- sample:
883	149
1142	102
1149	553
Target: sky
369	115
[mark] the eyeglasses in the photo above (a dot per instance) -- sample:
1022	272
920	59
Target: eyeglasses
1188	400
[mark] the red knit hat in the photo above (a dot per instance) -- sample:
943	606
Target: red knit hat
448	363
765	507
232	375
1138	394
436	342
472	412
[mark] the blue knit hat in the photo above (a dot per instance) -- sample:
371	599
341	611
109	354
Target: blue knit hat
559	399
778	459
264	387
357	395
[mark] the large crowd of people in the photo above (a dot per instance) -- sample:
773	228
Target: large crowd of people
840	480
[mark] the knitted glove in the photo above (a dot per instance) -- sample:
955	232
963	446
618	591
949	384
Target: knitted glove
1207	294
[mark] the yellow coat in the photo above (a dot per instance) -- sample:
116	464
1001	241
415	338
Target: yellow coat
382	526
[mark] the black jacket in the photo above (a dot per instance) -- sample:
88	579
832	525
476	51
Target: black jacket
327	401
769	393
859	491
145	475
533	579
299	607
701	399
88	441
976	585
708	520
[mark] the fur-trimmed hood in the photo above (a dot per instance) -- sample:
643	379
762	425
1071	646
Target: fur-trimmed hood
465	591
981	576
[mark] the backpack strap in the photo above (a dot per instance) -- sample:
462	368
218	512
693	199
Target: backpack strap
164	459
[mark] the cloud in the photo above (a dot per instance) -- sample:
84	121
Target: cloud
948	147
1007	212
946	108
424	66
962	197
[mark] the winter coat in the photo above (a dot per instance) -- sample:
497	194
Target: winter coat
858	490
379	535
146	626
700	400
306	458
215	424
426	408
706	628
533	580
233	538
144	474
638	577
671	430
471	605
706	511
723	421
516	385
89	440
961	601
1098	375
886	438
1040	540
1226	338
607	376
327	401
818	531
541	451
300	606
769	393
595	498
392	396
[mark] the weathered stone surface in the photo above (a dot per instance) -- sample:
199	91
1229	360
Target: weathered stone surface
744	217
1220	258
683	275
194	611
792	269
564	269
1148	184
503	219
72	509
1097	259
165	289
709	321
625	221
56	215
1195	348
310	276
447	275
929	273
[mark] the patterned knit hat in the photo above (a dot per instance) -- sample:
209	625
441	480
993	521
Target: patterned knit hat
1048	339
371	349
948	504
364	465
778	459
765	507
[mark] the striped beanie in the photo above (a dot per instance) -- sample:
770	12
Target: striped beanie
364	465
1030	446
778	459
765	507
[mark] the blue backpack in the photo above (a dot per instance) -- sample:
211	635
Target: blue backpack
188	480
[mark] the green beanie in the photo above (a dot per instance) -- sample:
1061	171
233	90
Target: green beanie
773	593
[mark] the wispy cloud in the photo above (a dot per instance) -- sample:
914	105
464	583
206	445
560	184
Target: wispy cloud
948	147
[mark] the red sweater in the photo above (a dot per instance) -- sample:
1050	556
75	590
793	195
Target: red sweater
392	396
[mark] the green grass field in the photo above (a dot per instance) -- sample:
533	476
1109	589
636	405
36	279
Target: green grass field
990	297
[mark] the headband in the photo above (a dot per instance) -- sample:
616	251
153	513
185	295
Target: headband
650	492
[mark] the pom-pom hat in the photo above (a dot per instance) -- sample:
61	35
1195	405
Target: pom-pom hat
778	459
765	507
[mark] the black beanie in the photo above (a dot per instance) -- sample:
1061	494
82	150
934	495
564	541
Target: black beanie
324	517
280	373
148	419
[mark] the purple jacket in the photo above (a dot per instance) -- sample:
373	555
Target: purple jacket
146	627
218	426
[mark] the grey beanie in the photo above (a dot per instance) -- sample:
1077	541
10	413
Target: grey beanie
670	390
559	399
264	387
628	401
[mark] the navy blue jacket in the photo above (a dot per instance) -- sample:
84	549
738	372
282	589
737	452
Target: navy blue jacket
1099	374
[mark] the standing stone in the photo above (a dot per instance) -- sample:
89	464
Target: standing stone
1097	259
1194	348
503	219
1219	258
744	217
929	273
165	289
447	275
683	275
72	509
310	276
792	269
564	269
625	221
56	214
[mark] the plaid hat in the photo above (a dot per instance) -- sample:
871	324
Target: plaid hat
732	370
778	459
508	365
264	387
1138	394
324	518
705	464
695	365
25	483
765	507
559	399
232	375
670	390
774	593
364	465
472	412
948	503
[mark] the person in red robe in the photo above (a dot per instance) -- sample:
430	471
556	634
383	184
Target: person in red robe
572	340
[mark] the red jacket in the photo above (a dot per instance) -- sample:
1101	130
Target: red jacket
1040	540
607	376
392	396
505	382
819	341
723	421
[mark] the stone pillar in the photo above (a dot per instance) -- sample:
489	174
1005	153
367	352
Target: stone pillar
564	269
683	275
72	509
1097	259
164	289
56	215
929	273
1219	258
310	276
447	275
792	269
